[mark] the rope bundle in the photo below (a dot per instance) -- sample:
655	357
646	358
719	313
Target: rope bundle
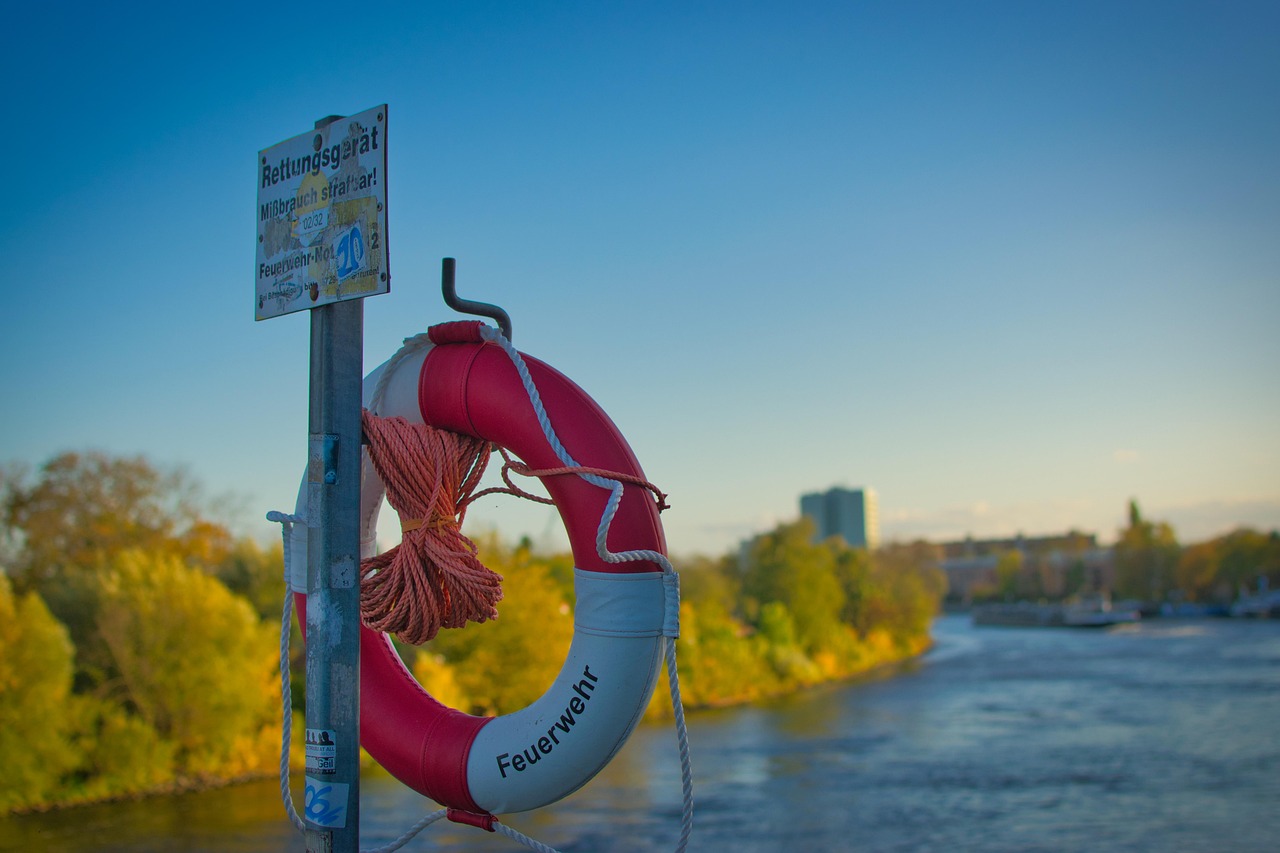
433	578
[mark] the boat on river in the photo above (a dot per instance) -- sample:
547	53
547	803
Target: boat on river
1265	604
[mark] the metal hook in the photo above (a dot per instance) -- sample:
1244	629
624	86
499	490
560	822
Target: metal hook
469	306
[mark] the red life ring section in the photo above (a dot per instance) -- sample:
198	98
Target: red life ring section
544	752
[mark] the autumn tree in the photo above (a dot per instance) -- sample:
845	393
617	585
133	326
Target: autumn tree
907	587
1146	556
64	527
1217	570
502	665
194	661
35	693
720	660
254	572
1009	567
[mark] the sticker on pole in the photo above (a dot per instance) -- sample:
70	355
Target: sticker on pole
325	803
322	216
322	751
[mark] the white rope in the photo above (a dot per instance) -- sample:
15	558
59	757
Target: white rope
286	525
286	522
408	836
517	835
682	742
614	487
408	348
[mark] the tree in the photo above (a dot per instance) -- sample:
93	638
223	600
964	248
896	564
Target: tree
1008	569
1250	558
64	528
194	660
853	572
908	587
505	664
719	659
85	506
1146	558
254	572
784	566
1197	573
35	691
1219	569
119	753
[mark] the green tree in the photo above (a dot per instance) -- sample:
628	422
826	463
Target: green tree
36	719
853	573
908	587
1198	573
1146	558
1008	569
254	572
778	632
1249	558
784	566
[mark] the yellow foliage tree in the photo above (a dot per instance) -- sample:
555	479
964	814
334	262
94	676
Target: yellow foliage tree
35	687
194	660
120	753
505	664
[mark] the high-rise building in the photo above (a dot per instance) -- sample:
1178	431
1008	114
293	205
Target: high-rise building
851	513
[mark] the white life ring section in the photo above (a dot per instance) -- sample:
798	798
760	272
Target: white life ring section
538	755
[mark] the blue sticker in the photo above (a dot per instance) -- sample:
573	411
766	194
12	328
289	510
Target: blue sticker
325	803
348	252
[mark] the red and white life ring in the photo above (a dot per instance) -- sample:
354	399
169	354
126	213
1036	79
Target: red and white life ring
537	755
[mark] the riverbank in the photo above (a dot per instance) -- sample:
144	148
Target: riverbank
877	653
1149	737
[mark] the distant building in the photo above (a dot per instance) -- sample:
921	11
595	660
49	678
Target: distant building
850	513
1052	566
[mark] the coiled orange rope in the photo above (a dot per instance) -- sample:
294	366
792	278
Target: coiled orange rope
433	578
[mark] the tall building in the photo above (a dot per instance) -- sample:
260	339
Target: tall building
851	513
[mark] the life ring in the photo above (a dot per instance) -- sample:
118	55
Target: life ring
542	753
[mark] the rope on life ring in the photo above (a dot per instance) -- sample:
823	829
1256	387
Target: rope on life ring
433	579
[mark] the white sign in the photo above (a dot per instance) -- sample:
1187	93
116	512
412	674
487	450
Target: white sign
322	216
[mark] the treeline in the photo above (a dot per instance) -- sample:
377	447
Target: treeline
1147	564
139	639
1151	565
135	650
783	613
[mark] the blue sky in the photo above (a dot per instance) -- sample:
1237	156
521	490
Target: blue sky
1010	264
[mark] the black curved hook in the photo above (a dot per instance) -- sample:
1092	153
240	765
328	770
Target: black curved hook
468	306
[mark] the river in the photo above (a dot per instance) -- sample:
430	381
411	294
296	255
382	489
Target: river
1161	736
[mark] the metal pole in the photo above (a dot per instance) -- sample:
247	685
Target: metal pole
333	576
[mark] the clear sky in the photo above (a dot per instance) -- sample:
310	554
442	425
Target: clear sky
1010	264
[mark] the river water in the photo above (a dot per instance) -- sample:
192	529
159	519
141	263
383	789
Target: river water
1163	736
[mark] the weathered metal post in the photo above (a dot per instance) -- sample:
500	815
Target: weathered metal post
333	573
333	570
322	247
